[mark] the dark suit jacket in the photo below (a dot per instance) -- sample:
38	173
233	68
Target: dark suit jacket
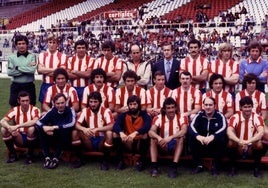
173	81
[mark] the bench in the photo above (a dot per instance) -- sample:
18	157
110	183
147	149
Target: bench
131	159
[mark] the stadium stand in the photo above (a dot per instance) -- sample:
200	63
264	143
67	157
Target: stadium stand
160	8
39	12
5	11
210	7
66	13
167	9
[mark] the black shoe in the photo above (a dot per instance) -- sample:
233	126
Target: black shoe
154	172
139	166
12	158
198	169
54	163
232	172
104	166
121	165
214	171
256	173
29	159
47	162
77	163
173	173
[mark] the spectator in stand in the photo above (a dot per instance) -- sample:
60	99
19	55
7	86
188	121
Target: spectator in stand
137	64
56	125
130	88
243	10
94	126
245	132
157	94
132	129
111	64
22	133
79	67
167	134
207	135
6	43
226	66
188	98
47	62
224	100
196	65
21	67
254	64
61	85
169	65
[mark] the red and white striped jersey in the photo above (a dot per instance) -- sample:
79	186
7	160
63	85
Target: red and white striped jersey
258	98
195	67
68	91
186	100
223	100
85	64
245	128
169	127
54	61
156	98
112	65
121	95
226	70
102	118
19	117
107	94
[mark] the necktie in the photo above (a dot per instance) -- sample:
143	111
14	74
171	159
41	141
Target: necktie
168	70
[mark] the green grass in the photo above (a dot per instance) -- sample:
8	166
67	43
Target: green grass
20	175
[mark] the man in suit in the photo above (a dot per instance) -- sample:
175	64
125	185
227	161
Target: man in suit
169	65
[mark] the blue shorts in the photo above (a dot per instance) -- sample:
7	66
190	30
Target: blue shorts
43	91
80	91
95	141
171	145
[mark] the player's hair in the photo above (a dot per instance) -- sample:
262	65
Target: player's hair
81	43
246	100
108	44
214	77
59	95
98	71
249	78
95	95
130	74
21	38
60	71
168	101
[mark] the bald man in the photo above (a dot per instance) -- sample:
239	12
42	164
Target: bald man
138	65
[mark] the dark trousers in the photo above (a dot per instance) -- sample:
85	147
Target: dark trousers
215	149
60	140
